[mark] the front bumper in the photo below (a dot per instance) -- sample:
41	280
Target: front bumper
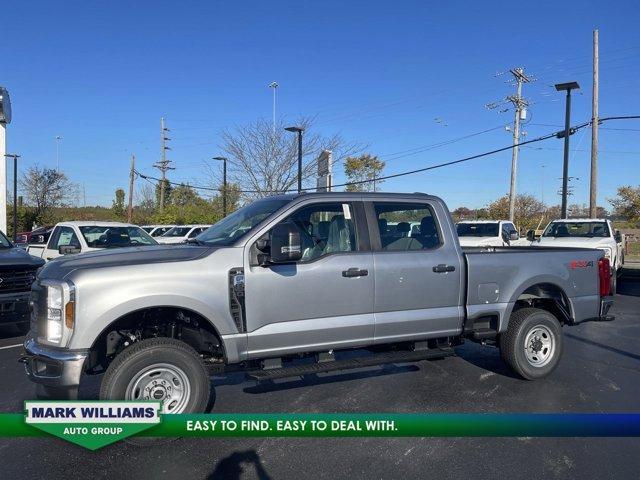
56	372
14	308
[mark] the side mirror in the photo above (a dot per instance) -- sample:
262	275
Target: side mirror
514	236
284	239
68	249
618	236
531	235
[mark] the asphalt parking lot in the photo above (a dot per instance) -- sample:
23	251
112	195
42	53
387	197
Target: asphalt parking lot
600	372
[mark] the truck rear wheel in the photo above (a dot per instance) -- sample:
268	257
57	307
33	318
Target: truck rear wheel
162	369
532	344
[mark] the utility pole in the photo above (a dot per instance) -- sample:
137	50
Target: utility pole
163	164
84	195
224	184
15	195
593	187
519	104
131	178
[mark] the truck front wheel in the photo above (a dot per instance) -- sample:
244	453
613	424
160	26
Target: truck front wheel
161	369
532	344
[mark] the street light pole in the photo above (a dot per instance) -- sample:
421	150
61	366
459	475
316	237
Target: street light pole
15	195
567	132
224	184
58	138
299	131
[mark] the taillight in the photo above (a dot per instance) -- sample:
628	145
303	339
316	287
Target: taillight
604	275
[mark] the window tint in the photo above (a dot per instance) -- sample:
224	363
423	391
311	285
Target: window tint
64	236
325	228
406	226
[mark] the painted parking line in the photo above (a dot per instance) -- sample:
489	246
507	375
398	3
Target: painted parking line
11	346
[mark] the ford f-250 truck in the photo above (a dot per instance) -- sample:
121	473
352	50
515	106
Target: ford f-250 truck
308	276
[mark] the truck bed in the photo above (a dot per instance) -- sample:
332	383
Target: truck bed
498	276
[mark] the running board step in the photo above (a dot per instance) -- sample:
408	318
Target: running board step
376	359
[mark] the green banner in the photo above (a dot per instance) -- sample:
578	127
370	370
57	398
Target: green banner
108	422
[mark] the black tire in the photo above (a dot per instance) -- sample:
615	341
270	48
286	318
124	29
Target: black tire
156	351
512	343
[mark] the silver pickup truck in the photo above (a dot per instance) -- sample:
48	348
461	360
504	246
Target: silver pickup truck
284	285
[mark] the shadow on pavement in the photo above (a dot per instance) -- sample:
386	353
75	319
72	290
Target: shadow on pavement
485	358
234	465
603	346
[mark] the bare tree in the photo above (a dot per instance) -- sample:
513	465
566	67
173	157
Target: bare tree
264	160
46	189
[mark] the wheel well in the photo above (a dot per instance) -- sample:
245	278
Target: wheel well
546	296
172	322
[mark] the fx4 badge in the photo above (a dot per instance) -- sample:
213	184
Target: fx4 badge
573	264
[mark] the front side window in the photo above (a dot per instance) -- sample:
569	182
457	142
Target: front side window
64	236
577	229
406	226
158	231
325	228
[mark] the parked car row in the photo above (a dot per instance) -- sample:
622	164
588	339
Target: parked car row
595	233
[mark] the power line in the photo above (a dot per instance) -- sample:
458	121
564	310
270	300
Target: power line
559	134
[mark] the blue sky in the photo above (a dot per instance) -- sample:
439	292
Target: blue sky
101	74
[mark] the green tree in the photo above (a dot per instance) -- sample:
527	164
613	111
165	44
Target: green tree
118	204
529	211
627	204
362	168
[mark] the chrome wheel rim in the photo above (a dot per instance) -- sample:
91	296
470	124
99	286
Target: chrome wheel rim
539	346
161	382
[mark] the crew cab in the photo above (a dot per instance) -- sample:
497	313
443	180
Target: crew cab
486	233
17	273
307	275
81	237
586	233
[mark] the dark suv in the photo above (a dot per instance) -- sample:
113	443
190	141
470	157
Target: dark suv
17	273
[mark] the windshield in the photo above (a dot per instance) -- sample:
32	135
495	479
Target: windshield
228	230
577	229
478	229
177	232
114	237
4	241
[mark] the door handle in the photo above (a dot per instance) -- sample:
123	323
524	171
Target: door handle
355	272
442	268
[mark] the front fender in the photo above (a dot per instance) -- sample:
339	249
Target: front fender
84	337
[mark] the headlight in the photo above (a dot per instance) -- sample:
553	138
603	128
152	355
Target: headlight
60	313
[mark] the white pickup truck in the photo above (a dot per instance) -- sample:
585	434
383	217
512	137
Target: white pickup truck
80	237
487	233
586	233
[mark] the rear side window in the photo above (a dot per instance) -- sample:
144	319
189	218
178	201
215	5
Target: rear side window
406	226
